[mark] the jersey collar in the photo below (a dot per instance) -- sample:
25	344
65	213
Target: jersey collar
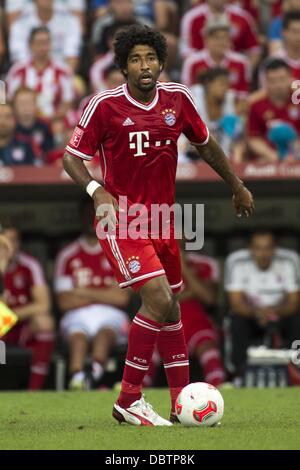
137	103
89	249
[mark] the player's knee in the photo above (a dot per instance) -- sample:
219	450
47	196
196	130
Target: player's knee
158	303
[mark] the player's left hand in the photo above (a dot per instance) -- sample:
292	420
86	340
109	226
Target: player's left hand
243	202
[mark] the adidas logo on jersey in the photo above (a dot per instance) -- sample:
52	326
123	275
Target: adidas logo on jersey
128	122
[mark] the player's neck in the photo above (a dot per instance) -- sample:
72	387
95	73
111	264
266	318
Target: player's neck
279	101
139	95
41	63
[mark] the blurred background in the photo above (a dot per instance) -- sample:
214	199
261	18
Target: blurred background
241	59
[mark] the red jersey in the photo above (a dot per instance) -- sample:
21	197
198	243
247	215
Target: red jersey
82	265
237	65
138	142
252	7
243	31
23	273
263	114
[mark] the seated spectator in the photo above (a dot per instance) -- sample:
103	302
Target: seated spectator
201	278
27	294
252	7
13	151
218	53
243	31
262	283
107	79
159	12
31	129
273	119
64	28
91	303
275	30
217	106
163	14
52	81
16	8
290	50
98	68
118	11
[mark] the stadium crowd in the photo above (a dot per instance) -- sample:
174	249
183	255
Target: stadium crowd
240	58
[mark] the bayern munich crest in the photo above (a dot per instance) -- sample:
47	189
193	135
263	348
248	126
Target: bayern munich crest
133	264
169	115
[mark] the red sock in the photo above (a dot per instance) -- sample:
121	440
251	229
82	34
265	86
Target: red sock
150	376
141	342
42	347
172	348
212	367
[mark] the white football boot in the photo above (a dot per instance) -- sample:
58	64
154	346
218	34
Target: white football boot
140	413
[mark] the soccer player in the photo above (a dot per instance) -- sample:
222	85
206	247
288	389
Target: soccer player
27	294
136	127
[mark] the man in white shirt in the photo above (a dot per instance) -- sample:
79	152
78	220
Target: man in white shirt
263	289
64	28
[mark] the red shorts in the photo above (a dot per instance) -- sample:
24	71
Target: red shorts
136	261
20	335
197	325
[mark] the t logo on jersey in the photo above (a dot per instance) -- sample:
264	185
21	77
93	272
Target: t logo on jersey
139	141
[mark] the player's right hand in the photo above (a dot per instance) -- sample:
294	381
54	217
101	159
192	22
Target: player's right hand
106	207
243	202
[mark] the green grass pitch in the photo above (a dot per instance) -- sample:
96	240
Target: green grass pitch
253	419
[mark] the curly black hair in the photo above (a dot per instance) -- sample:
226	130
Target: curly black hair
135	35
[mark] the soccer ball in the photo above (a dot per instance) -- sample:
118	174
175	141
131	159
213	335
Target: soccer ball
199	404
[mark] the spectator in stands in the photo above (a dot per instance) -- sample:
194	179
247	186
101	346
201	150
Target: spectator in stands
243	31
13	151
162	13
31	129
119	11
274	120
16	8
290	50
218	53
64	28
27	294
113	77
201	279
263	287
52	81
275	30
92	304
217	106
98	68
130	11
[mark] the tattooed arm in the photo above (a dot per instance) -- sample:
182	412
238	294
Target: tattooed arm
214	156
